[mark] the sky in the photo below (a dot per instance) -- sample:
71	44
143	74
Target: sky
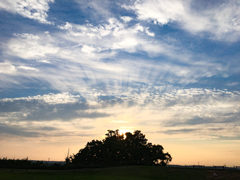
72	69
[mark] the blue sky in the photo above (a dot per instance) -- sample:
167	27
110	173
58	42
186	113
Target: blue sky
70	70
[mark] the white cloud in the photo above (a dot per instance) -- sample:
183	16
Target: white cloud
80	55
126	18
108	36
88	49
28	68
221	21
91	31
98	9
115	35
32	9
83	73
158	10
150	33
31	46
78	59
127	44
45	61
233	84
60	98
7	68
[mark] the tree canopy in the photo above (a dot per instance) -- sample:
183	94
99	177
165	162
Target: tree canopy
120	149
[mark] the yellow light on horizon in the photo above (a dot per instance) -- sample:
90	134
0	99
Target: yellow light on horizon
123	131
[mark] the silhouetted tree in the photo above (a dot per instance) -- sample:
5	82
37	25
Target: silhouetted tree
117	150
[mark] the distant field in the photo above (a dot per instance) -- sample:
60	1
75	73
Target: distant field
119	173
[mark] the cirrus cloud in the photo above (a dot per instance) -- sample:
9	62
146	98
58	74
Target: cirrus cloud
32	9
221	22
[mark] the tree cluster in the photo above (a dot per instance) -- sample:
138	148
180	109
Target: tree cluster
119	149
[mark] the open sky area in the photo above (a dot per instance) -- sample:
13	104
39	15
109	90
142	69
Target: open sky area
72	69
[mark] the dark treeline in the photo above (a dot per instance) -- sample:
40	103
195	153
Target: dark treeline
10	163
27	164
118	149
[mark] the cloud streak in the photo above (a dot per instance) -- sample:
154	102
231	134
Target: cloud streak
221	22
32	9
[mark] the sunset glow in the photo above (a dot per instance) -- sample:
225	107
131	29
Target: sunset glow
124	131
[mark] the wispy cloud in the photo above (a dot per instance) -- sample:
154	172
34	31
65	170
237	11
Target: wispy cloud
178	112
77	68
17	131
86	49
29	46
12	131
32	9
221	21
48	107
7	68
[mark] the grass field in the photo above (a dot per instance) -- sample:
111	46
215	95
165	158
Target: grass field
118	173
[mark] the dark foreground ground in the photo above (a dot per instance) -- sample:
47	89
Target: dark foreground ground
119	173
